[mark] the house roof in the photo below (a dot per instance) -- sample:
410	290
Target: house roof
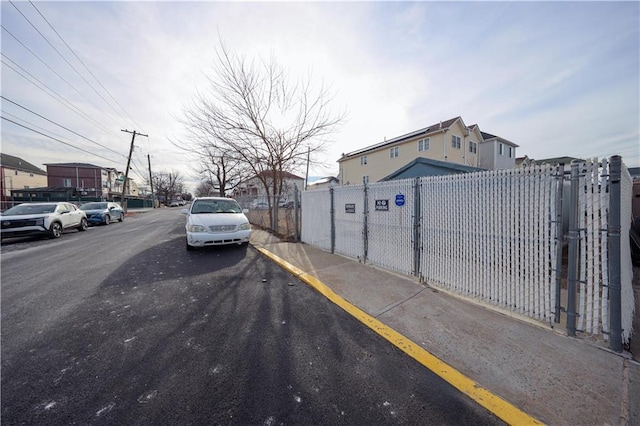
427	167
434	128
488	136
83	165
46	189
557	160
284	175
18	163
324	180
438	127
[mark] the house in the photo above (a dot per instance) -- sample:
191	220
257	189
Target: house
565	162
428	167
323	183
16	173
89	180
254	188
450	141
524	162
496	153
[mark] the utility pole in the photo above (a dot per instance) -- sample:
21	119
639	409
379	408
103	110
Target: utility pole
153	199
126	172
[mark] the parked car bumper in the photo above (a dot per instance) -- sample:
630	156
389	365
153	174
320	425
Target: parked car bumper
24	231
203	239
95	219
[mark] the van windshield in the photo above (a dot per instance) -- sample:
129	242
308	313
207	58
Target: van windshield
215	206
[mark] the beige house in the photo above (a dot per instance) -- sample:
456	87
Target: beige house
449	141
19	174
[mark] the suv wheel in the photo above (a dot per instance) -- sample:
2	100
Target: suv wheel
55	230
83	225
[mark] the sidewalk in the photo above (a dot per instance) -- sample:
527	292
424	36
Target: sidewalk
554	378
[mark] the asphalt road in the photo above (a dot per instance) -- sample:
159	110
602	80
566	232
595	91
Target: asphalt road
121	325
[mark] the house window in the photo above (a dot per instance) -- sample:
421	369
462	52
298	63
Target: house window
66	183
15	172
455	141
393	152
423	145
510	152
501	149
30	174
365	179
473	147
363	160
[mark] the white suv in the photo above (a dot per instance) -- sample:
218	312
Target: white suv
41	218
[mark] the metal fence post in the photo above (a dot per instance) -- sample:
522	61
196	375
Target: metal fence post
574	239
613	231
296	234
365	230
333	222
416	227
560	240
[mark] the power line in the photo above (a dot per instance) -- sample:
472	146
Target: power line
59	125
31	124
68	104
58	140
46	65
84	65
63	58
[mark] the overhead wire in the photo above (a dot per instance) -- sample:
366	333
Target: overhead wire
134	166
49	67
85	66
61	99
6	113
63	58
61	141
60	125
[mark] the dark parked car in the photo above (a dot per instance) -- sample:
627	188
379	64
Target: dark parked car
41	218
103	212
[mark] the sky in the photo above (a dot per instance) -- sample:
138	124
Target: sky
556	78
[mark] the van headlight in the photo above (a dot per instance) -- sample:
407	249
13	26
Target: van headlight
196	228
244	226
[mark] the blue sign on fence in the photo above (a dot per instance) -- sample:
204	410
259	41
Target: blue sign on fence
400	200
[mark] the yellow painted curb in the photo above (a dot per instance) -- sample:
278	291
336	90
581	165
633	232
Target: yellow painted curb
499	407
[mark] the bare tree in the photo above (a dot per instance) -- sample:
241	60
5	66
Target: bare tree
168	185
206	188
223	171
259	119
